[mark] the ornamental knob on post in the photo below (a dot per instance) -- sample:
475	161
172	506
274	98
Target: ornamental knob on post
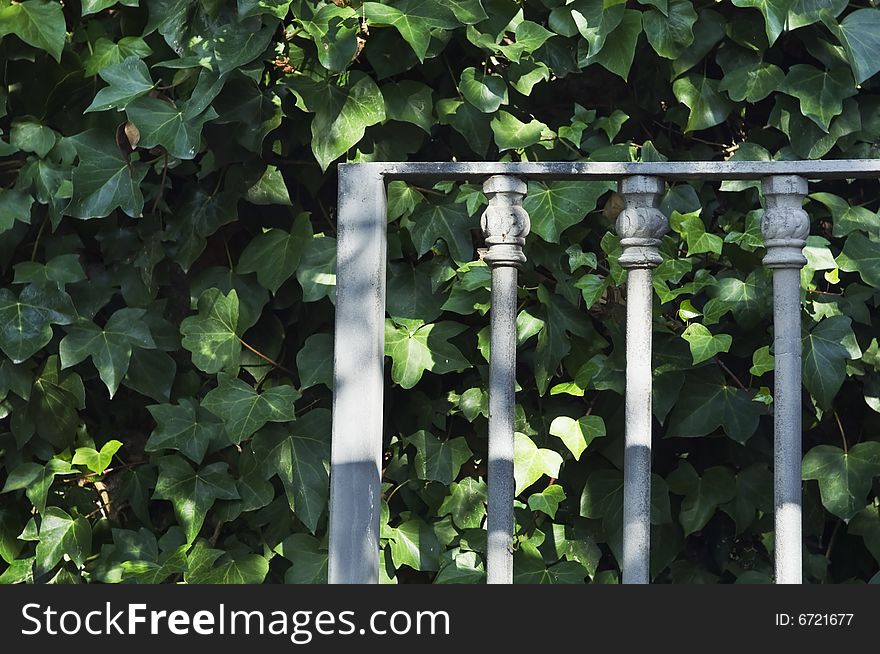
505	223
785	225
641	224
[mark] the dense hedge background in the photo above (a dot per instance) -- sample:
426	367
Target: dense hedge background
167	191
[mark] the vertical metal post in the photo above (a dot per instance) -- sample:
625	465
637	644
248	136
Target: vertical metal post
505	224
640	225
358	359
785	228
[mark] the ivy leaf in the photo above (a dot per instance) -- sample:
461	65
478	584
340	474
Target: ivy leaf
466	503
700	95
859	32
94	6
592	19
846	217
342	112
762	361
274	255
703	494
825	358
450	222
31	136
708	402
211	335
193	492
130	79
414	19
316	273
513	134
669	34
821	92
752	84
704	344
244	410
861	255
529	568
577	434
409	102
243	569
553	207
314	362
160	123
94	460
14	206
35	480
334	31
486	92
413	350
186	427
309	561
39	23
62	534
530	462
109	348
693	229
104	179
438	460
619	49
415	544
107	53
844	477
548	500
27	319
807	12
775	14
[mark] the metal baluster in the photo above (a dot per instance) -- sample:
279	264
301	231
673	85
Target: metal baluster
358	361
505	224
640	226
785	227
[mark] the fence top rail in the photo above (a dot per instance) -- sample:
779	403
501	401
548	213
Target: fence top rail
594	170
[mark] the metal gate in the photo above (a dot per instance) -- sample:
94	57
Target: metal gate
355	473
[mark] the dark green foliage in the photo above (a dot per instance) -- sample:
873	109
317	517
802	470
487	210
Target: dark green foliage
167	221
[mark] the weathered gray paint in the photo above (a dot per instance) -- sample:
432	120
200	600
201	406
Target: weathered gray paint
785	227
640	226
598	170
358	360
505	224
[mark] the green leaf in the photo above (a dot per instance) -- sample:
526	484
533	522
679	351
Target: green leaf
700	95
244	410
486	92
414	19
109	348
14	206
342	112
548	500
35	480
309	561
413	350
775	14
211	335
27	319
316	273
703	494
530	462
463	568
31	136
691	226
861	255
525	75
846	217
529	568
186	427
94	6
670	33
807	12
577	434
554	340
859	33
825	358
193	492
709	402
39	23
160	123
466	503
844	477
821	92
128	80
107	53
619	50
62	534
449	222
93	459
409	102
334	30
752	84
704	344
438	460
513	134
762	361
104	179
415	544
270	189
553	207
591	18
275	254
314	362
